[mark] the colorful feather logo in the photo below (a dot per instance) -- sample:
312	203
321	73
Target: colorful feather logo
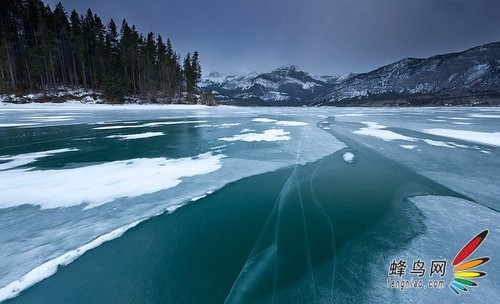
464	272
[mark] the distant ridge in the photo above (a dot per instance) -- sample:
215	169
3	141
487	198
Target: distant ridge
471	77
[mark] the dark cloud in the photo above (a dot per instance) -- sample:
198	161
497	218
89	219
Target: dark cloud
321	36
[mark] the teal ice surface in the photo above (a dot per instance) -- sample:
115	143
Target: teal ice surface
286	219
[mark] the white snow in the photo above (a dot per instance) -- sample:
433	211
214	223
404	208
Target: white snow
49	118
376	130
409	147
461	123
487	138
286	123
7	125
103	183
348	157
484	116
196	198
437	143
263	120
28	158
50	267
349	115
227	125
151	124
268	135
136	136
281	123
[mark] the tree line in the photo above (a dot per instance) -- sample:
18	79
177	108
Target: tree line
44	49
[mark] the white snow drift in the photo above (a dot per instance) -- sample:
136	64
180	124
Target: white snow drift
99	184
268	135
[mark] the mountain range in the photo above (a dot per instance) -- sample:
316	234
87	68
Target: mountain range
471	77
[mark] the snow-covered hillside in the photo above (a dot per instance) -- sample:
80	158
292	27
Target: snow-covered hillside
472	72
469	77
283	86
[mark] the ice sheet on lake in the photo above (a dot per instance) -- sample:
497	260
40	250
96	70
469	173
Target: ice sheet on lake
50	267
130	178
450	223
59	231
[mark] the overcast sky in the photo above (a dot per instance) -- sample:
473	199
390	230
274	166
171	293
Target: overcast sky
325	37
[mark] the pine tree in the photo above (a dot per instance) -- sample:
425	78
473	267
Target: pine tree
41	49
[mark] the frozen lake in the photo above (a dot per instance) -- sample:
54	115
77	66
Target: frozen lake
189	204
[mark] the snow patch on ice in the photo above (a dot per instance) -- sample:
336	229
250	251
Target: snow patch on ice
348	157
50	118
103	183
151	124
409	147
285	123
484	116
28	158
268	135
461	123
349	115
376	130
487	138
8	125
136	136
437	143
264	120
